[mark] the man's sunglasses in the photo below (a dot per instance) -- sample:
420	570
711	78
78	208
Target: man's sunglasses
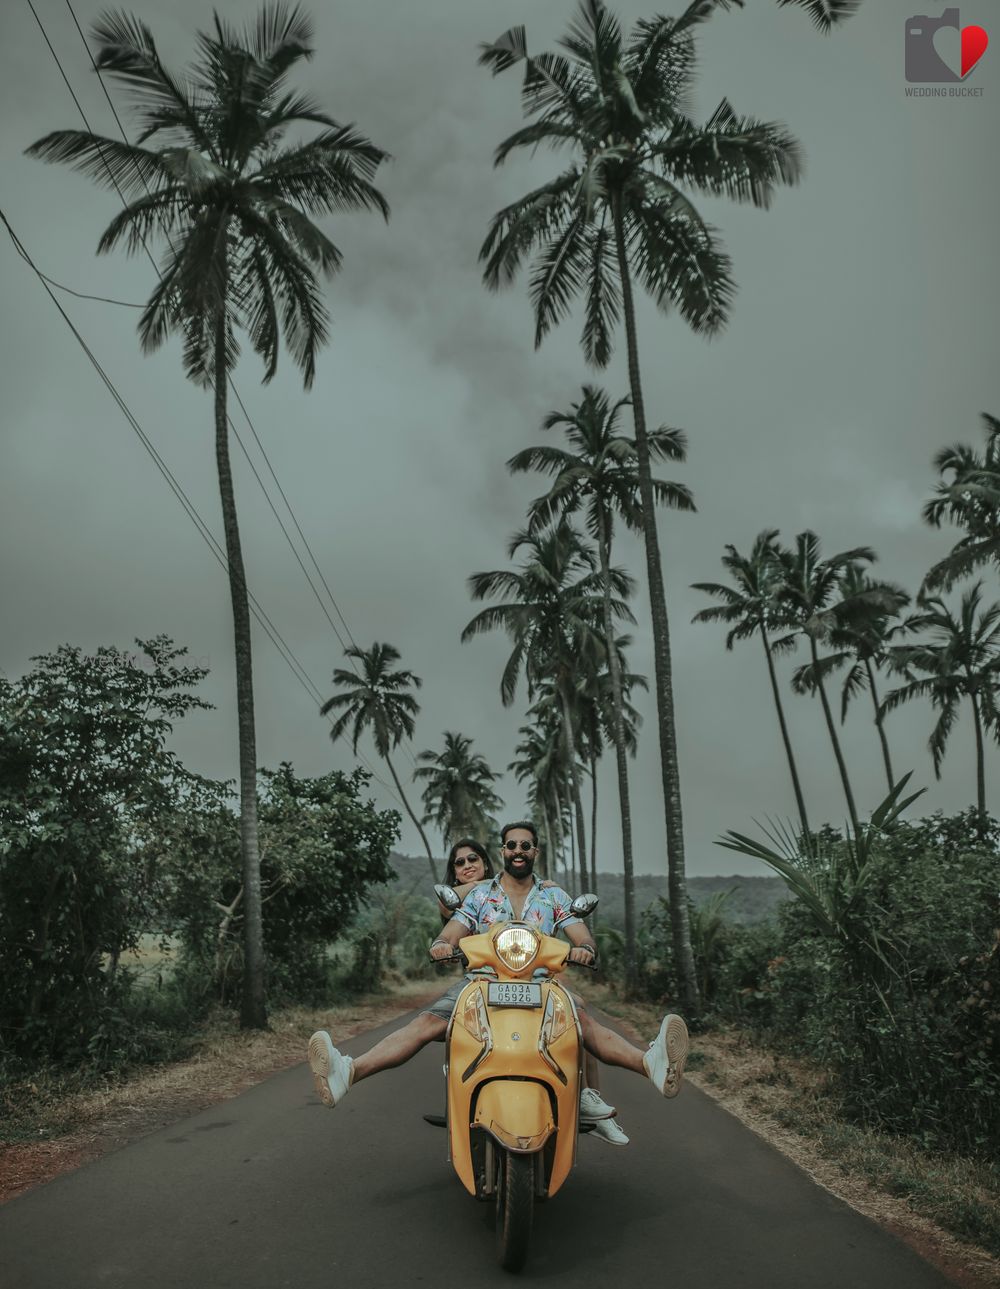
525	845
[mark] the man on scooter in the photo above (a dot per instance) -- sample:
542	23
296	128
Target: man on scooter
513	895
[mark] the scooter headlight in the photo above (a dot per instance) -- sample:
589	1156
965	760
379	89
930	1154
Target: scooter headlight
517	947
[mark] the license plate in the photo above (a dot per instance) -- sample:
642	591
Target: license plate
514	994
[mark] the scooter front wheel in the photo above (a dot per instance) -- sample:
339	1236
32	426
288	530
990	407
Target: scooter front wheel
515	1208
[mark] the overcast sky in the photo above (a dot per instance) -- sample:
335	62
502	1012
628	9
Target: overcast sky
863	338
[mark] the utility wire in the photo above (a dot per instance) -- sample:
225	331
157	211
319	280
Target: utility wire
265	622
83	295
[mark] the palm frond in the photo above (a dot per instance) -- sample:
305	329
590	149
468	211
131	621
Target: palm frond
732	156
558	277
602	311
127	50
682	266
109	162
825	14
516	229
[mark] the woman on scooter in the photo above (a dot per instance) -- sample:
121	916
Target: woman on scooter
468	863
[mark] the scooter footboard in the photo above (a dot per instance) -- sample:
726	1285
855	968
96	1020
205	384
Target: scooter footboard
517	1113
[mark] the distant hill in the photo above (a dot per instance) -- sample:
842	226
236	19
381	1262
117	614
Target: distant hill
752	900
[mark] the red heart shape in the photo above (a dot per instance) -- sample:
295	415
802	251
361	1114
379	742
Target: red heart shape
974	42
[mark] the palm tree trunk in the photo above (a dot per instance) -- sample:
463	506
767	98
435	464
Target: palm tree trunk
621	758
676	880
980	761
797	786
880	725
416	821
593	824
547	847
567	864
577	798
833	739
572	839
253	1011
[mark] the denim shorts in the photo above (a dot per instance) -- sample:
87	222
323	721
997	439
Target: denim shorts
445	1005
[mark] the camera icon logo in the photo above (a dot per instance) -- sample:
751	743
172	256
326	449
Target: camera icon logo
924	62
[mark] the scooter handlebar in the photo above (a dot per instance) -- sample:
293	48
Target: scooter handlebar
456	956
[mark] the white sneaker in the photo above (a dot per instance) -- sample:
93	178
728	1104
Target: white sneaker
608	1130
593	1106
664	1062
332	1072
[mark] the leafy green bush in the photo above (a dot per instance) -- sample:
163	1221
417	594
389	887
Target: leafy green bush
84	772
322	846
892	983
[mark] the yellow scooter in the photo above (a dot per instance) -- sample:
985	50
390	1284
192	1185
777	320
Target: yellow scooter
513	1069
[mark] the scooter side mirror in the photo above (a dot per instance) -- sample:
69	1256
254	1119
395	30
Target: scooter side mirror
584	905
449	898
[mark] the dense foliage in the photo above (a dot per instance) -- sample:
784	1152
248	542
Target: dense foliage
910	1036
321	847
106	839
84	775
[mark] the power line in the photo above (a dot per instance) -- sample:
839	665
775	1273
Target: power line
265	622
83	295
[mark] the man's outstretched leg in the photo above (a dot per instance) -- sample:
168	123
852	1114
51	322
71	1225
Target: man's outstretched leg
662	1063
334	1073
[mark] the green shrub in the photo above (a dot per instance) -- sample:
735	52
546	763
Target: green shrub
902	1004
84	775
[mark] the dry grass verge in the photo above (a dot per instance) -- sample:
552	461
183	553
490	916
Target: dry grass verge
945	1207
48	1130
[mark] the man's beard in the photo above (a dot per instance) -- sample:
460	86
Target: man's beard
526	871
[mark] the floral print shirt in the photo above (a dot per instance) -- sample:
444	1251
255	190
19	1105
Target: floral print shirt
546	909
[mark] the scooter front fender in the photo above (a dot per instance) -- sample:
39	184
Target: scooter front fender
516	1113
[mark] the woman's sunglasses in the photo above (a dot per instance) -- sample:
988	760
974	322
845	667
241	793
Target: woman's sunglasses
525	845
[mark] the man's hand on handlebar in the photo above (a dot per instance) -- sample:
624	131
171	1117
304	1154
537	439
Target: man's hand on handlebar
584	955
442	950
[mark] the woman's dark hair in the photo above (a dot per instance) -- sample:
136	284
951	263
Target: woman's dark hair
471	844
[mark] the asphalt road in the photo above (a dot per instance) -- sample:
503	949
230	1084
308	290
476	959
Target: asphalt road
272	1189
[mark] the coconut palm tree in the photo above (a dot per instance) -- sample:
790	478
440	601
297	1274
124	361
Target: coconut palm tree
812	603
861	639
620	211
552	613
539	762
458	795
959	660
549	706
598	472
376	698
751	607
968	495
211	172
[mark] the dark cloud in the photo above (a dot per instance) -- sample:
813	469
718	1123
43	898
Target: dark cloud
862	340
